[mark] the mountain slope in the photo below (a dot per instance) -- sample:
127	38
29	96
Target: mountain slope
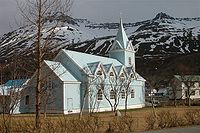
157	41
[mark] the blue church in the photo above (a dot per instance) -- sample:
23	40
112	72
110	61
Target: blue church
76	81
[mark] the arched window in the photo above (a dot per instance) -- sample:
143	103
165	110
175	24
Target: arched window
112	94
99	95
122	75
132	94
132	75
111	74
99	72
123	94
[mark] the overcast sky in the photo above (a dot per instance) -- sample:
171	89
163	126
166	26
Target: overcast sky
109	10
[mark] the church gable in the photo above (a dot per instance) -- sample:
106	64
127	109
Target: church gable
130	47
123	73
116	46
112	73
93	66
99	71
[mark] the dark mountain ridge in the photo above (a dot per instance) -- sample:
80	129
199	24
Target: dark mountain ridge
161	43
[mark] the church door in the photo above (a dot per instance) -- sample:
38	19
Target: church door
69	104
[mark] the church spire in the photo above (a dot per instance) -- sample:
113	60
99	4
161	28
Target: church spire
122	48
121	37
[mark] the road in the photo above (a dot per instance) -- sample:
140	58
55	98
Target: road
192	129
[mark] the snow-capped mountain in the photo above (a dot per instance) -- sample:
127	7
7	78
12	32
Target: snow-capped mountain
159	37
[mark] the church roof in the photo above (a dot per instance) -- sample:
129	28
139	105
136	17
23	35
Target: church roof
121	37
93	66
83	59
60	71
107	67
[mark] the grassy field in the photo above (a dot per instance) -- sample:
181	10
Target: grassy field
136	120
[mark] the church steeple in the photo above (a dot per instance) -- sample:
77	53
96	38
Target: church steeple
121	37
122	48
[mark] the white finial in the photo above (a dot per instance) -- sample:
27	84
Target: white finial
121	25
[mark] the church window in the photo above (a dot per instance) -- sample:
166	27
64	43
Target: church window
27	100
111	74
132	75
123	94
129	60
99	73
132	94
112	94
121	76
99	95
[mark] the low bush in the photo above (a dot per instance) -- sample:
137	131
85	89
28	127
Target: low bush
192	117
151	121
121	124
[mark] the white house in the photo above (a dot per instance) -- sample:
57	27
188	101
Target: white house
181	86
75	80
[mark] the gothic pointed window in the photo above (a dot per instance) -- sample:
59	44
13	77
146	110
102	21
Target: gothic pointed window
99	73
112	94
122	76
111	74
132	94
123	94
132	75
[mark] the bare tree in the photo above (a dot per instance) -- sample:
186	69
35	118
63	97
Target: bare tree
38	13
184	86
11	93
128	88
117	92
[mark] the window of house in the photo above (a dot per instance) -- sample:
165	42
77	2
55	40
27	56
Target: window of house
132	75
112	94
132	94
123	94
27	100
129	60
99	73
186	93
122	76
111	74
99	95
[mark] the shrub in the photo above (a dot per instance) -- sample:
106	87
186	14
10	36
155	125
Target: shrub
85	125
151	121
192	117
168	119
121	124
